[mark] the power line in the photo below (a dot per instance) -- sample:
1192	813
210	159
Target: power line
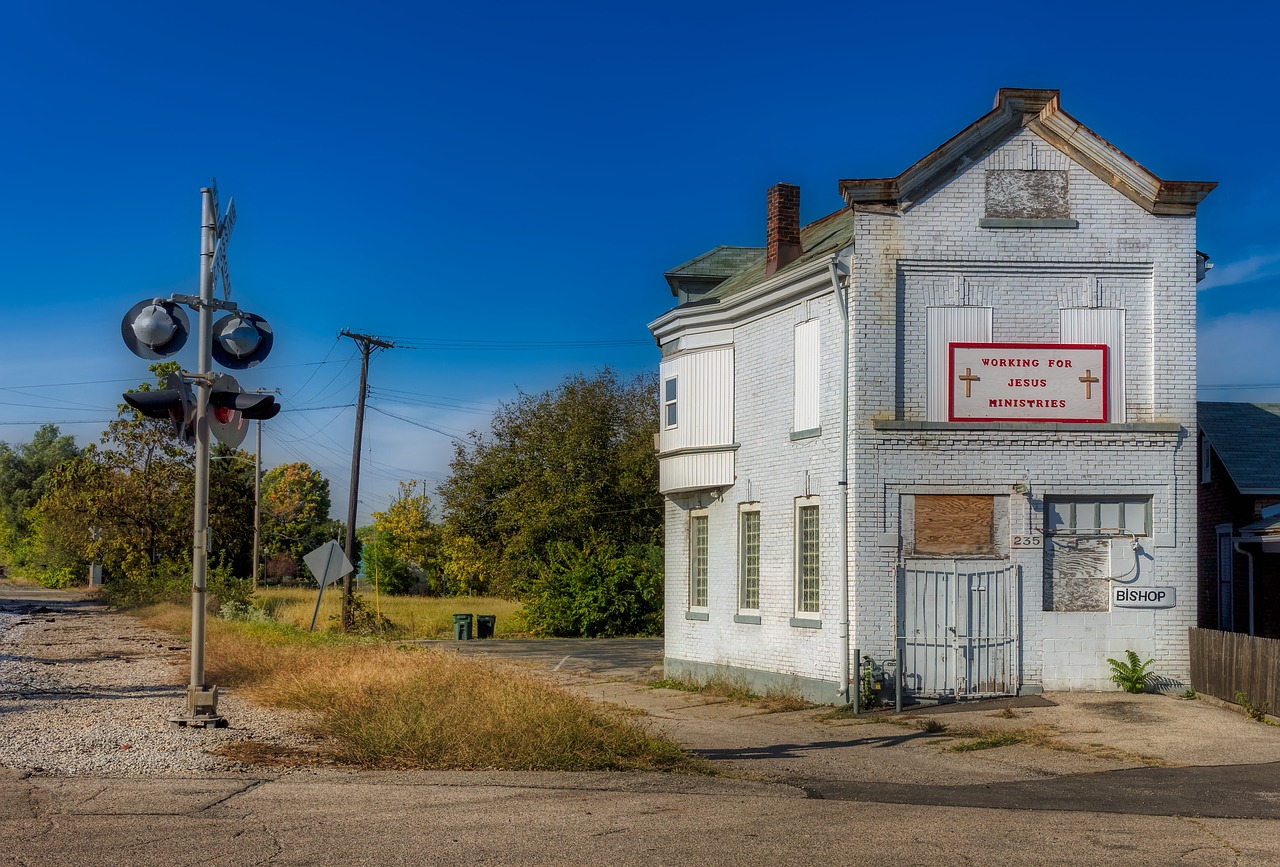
451	344
1234	387
421	424
65	421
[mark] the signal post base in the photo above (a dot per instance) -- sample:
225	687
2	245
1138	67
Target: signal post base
202	709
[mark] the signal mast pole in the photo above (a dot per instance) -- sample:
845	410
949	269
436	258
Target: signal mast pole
367	344
202	701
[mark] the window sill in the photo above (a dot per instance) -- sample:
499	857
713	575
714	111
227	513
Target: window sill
1009	223
747	618
1043	427
807	433
806	623
697	615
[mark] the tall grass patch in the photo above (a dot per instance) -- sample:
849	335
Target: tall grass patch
383	706
413	617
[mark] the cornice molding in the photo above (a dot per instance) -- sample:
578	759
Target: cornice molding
1041	112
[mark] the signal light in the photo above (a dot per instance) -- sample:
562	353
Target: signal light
249	405
176	402
155	329
231	409
241	340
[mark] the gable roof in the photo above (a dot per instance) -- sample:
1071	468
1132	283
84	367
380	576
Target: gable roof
1246	437
1041	112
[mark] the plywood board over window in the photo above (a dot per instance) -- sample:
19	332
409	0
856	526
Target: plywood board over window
954	525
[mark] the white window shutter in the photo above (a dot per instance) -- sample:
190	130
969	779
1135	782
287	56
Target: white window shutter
807	365
1103	325
944	326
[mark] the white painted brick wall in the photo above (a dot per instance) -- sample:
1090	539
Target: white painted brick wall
929	255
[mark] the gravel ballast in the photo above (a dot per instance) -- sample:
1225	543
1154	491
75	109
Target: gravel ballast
85	691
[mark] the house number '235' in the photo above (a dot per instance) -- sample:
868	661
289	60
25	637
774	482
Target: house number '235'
1032	540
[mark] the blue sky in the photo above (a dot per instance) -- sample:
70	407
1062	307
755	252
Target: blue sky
509	175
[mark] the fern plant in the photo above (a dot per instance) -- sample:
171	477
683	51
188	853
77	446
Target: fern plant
1131	675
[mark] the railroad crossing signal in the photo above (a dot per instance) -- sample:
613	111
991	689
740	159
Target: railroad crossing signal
174	402
155	328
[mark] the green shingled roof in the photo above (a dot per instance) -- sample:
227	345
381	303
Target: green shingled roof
721	262
1246	437
744	266
819	239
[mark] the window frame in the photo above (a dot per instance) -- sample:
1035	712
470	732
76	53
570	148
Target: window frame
1097	502
748	512
803	507
699	518
671	402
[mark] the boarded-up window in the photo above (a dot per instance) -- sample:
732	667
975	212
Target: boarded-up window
1076	572
954	525
1081	551
1027	195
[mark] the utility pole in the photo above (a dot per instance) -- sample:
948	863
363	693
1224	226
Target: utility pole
367	344
257	504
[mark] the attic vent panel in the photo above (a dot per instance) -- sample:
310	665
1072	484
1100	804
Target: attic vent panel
1025	199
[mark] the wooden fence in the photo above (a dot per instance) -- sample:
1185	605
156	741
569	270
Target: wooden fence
1223	663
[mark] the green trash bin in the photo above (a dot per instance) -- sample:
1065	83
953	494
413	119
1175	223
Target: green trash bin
462	627
485	624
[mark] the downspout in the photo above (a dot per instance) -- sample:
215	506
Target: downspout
842	301
1236	545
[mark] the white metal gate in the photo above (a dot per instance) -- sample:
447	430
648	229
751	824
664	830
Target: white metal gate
960	624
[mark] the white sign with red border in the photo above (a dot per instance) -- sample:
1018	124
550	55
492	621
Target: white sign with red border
1036	382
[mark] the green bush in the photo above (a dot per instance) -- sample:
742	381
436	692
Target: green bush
58	579
595	589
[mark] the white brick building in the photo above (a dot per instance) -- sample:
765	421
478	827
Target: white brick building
994	540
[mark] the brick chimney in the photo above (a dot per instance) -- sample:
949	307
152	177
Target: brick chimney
782	237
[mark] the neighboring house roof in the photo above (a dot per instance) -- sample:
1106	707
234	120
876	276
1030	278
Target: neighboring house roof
1266	530
1246	437
1041	112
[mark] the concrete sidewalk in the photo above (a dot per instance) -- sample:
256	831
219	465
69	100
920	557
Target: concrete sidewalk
1108	752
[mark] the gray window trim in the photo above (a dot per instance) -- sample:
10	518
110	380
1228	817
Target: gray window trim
806	623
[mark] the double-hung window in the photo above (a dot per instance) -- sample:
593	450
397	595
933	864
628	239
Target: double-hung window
670	413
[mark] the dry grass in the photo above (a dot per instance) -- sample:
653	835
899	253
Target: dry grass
382	706
416	617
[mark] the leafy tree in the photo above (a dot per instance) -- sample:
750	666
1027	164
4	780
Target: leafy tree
125	503
26	474
596	589
383	568
231	507
574	465
405	540
295	510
